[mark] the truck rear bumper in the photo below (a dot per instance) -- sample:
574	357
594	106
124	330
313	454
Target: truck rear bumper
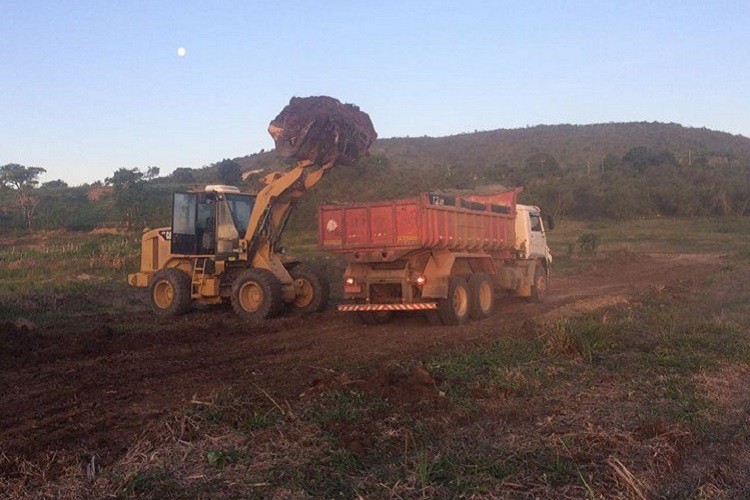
422	306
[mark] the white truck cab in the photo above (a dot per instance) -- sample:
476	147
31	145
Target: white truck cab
531	237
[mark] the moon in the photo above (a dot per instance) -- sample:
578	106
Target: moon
181	51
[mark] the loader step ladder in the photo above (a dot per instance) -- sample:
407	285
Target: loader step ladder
199	276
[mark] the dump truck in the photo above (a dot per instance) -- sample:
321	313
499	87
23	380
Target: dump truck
224	245
447	255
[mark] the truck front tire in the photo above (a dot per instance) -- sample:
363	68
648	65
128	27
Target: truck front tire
256	294
541	283
169	292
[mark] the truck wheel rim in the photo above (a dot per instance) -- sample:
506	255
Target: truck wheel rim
305	294
460	301
163	294
251	297
485	296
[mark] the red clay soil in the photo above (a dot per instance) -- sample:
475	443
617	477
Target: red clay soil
92	384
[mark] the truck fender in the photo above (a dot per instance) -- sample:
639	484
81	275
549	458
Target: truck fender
437	274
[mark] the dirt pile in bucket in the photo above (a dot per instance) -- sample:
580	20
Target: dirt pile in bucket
320	130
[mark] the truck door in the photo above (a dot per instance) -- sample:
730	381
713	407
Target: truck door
537	237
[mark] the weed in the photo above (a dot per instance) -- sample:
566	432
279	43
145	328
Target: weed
156	484
578	337
339	406
221	458
588	243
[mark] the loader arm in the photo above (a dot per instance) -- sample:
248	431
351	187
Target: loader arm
273	205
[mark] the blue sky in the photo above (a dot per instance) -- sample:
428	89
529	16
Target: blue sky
88	87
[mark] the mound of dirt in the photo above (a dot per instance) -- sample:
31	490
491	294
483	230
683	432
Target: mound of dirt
321	130
17	341
407	388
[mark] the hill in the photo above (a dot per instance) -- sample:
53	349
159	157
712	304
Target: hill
571	145
614	170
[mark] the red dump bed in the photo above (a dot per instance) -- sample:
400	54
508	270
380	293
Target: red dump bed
429	221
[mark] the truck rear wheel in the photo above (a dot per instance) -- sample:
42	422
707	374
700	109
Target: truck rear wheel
169	292
256	294
482	295
312	290
541	283
454	310
375	317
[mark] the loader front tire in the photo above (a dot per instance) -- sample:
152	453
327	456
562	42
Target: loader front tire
256	294
169	292
312	290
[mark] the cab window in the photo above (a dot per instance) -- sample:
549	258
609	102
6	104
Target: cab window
536	222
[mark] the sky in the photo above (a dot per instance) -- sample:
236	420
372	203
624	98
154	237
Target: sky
90	86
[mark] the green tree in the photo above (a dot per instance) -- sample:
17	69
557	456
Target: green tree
151	173
56	184
23	180
129	188
229	172
183	175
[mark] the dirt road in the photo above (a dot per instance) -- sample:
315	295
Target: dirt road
92	384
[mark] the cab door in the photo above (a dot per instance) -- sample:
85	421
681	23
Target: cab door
537	237
184	216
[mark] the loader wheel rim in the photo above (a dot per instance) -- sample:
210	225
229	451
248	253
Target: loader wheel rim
163	294
460	301
485	296
306	294
251	296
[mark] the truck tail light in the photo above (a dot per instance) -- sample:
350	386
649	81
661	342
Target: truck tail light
349	281
421	280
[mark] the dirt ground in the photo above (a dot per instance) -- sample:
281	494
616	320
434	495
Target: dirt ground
92	384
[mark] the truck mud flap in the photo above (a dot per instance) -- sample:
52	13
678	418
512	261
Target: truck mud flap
426	306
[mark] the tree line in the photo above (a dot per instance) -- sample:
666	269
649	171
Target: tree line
643	182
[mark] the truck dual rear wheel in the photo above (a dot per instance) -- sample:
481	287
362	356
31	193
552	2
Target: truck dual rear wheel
312	288
482	295
169	292
256	294
455	309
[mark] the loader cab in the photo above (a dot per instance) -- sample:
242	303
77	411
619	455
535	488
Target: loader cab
210	223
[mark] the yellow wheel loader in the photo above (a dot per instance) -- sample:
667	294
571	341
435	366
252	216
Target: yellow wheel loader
223	245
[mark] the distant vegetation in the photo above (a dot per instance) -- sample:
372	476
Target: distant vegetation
605	171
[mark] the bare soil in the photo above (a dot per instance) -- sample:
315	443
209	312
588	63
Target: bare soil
92	384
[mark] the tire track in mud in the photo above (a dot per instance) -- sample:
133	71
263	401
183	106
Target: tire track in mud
92	385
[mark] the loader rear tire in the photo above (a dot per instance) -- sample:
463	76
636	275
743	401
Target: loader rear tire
375	317
454	310
314	290
256	294
482	296
169	292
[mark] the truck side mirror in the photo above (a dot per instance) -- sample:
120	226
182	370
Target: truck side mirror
550	222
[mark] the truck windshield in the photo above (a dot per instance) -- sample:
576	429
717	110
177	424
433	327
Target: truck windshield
241	206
